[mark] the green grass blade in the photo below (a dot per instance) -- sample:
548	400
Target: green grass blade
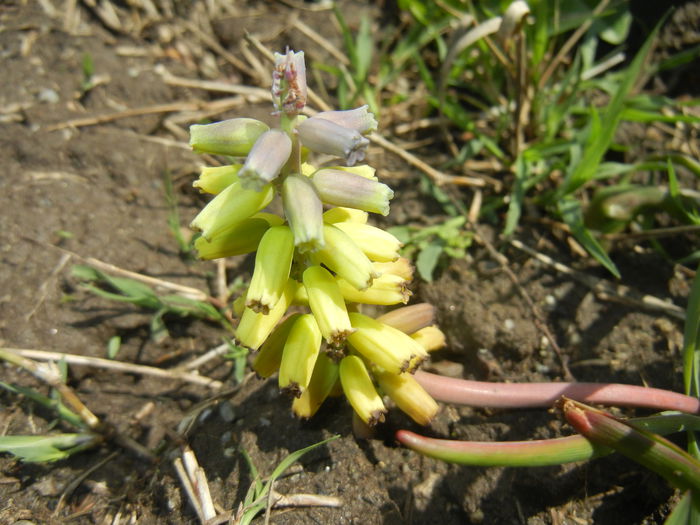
52	404
599	142
691	374
570	210
40	449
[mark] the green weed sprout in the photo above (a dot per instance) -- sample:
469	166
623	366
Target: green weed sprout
319	260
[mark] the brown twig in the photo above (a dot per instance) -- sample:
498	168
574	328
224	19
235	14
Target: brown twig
108	364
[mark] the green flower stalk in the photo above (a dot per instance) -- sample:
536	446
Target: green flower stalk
272	265
233	137
314	269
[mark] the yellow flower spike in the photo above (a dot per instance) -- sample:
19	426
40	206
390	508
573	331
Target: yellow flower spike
304	211
230	207
411	318
268	359
299	355
340	214
215	179
386	289
408	395
401	267
244	237
344	257
359	390
377	244
327	304
378	343
431	338
254	328
273	262
323	379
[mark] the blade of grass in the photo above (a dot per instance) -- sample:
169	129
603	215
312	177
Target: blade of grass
599	143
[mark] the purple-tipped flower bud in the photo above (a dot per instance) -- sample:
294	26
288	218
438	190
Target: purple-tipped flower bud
304	211
269	154
289	82
232	137
323	136
341	188
359	119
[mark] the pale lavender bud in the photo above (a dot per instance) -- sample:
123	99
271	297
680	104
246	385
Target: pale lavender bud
359	119
289	82
304	211
269	154
323	136
341	188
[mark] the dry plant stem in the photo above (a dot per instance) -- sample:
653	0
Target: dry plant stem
194	481
537	314
569	44
44	286
534	395
216	47
133	112
652	234
70	488
304	500
50	375
253	94
208	356
108	364
605	290
186	291
438	177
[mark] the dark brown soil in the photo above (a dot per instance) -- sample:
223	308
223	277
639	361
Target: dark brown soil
98	191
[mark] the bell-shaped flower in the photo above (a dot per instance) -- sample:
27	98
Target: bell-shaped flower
385	290
273	262
215	179
341	188
304	211
230	207
360	392
232	137
327	304
408	395
299	355
342	256
324	136
289	82
267	157
359	119
377	244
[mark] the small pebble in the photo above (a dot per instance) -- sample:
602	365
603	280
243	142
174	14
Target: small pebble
48	96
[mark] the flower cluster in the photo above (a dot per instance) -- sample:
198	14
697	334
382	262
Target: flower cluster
321	260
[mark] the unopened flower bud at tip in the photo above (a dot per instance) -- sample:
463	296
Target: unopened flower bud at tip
267	157
358	119
323	136
341	188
